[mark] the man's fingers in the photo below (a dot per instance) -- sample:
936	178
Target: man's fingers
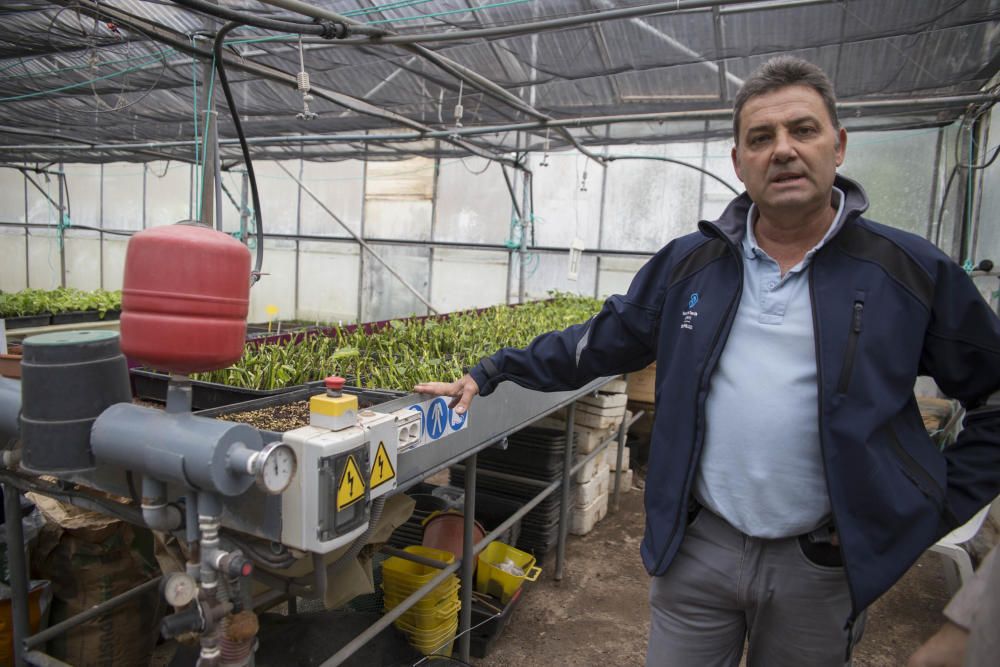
439	388
469	390
461	391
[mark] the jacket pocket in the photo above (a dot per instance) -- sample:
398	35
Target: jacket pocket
857	317
916	472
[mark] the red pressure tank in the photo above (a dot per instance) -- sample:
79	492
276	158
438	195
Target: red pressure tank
185	297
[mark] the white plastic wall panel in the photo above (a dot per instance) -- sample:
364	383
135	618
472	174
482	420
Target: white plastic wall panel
41	210
398	199
407	220
649	203
13	275
896	170
83	259
84	184
12	201
114	261
168	188
123	196
384	296
564	212
549	271
472	207
617	274
340	186
719	161
279	196
278	287
43	259
328	282
412	178
468	278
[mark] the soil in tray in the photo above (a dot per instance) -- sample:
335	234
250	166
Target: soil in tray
277	418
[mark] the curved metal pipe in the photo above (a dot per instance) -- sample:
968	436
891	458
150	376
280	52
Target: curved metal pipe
157	514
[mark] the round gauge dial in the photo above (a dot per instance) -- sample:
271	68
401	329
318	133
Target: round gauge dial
179	589
274	467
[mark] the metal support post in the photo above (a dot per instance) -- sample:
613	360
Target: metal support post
566	483
468	558
61	229
244	212
523	249
17	570
622	428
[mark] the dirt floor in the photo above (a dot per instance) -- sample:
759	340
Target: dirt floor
598	614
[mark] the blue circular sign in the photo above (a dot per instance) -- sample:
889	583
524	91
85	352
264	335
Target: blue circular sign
457	420
437	418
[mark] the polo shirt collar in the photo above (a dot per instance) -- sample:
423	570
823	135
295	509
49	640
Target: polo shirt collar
751	250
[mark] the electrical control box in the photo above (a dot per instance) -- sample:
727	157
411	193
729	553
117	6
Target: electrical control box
340	472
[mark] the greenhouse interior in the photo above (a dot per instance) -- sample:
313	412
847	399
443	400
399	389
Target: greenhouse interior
482	332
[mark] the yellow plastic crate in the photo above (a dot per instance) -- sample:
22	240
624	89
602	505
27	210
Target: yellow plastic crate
493	581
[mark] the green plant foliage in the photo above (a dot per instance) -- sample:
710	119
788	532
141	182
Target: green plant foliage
59	300
406	352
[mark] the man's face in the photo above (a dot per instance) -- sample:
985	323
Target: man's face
788	150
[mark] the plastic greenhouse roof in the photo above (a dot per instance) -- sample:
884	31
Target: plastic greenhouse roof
99	81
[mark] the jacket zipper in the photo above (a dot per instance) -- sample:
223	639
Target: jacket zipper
699	408
920	477
852	344
822	443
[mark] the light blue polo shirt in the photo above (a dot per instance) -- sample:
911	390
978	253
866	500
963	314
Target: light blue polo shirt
761	467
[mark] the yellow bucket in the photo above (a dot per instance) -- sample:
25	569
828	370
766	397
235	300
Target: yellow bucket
491	580
401	578
429	619
434	641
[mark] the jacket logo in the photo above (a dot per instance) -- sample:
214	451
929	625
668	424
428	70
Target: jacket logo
688	315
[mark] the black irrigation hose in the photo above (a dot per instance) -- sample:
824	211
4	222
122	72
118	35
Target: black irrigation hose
325	29
612	158
224	82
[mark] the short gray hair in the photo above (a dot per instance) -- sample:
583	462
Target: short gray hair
781	72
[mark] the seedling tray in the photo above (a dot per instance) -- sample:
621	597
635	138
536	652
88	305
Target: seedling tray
152	386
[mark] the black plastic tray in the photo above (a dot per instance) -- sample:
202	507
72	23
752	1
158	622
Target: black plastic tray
152	386
26	321
487	627
76	316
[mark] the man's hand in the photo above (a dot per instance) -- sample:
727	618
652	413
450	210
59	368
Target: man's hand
945	649
461	391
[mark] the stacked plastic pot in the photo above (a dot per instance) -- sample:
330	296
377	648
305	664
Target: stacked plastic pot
430	625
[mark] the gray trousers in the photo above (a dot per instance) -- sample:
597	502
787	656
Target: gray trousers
724	589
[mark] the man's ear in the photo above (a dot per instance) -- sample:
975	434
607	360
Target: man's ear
736	164
841	146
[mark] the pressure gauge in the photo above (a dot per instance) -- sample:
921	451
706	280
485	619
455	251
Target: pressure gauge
273	467
179	589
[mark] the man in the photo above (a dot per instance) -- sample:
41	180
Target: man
969	636
790	478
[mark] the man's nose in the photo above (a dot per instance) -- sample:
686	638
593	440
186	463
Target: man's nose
783	148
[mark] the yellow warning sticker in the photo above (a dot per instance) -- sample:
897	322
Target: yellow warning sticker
382	470
352	485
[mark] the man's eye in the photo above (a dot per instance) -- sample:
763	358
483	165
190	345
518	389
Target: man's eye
758	140
806	131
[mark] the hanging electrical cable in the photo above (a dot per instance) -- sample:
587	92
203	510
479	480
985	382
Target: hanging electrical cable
224	83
